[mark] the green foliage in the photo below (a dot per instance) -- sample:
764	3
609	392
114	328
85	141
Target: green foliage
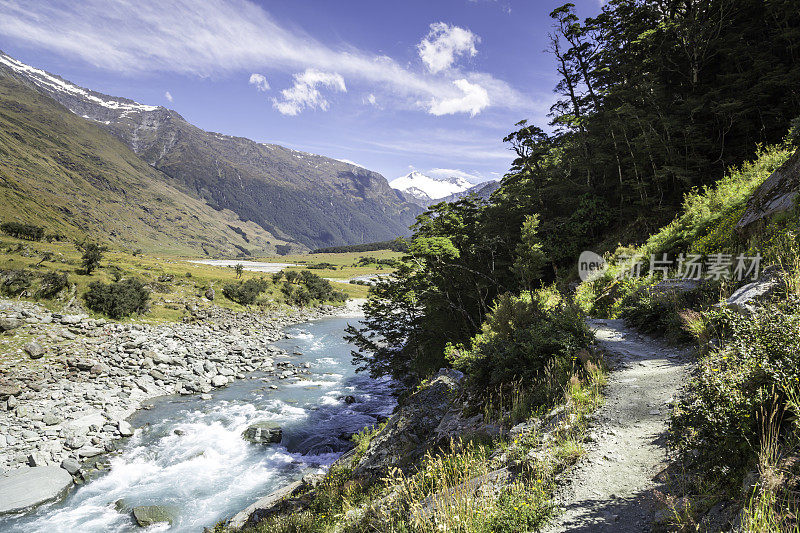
530	256
52	284
309	288
245	292
239	268
659	310
522	336
15	282
706	222
117	300
396	245
23	231
717	424
92	255
283	249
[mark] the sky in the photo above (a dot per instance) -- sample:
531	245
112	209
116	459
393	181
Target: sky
427	85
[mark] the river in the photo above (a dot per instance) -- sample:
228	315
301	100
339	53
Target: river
188	453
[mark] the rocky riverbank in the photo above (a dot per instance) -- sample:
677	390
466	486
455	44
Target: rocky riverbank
70	381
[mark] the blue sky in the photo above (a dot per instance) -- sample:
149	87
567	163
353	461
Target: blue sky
391	86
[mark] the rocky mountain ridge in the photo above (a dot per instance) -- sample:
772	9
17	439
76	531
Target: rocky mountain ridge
306	199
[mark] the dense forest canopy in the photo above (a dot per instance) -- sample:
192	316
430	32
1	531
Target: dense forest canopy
656	97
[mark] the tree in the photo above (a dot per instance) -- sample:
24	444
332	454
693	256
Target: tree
238	269
92	255
530	257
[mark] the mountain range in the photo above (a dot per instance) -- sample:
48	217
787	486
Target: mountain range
425	190
143	175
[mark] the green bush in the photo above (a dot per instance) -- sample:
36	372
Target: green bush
23	231
52	284
245	292
15	282
520	338
658	310
716	424
119	299
305	287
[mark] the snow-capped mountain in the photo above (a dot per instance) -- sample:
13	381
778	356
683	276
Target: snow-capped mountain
425	188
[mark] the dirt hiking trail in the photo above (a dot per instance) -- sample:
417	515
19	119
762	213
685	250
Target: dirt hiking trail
610	487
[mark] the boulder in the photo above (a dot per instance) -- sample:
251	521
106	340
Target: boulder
750	296
148	515
775	195
25	488
219	381
34	349
71	465
9	324
125	428
263	433
210	293
9	389
411	431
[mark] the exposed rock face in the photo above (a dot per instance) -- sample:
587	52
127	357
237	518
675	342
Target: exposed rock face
263	433
28	487
775	195
408	434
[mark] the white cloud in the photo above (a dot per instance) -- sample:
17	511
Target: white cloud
473	177
215	37
444	43
260	81
168	96
473	100
304	93
371	99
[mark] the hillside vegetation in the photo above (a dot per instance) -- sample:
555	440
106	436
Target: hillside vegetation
68	175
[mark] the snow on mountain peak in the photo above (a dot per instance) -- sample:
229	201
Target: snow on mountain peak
434	188
53	83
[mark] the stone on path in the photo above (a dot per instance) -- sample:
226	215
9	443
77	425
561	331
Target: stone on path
34	349
25	488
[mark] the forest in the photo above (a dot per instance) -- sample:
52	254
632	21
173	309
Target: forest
657	98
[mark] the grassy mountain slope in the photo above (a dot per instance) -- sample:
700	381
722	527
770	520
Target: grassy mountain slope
300	197
69	175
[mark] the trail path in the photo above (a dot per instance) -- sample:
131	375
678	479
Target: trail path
609	489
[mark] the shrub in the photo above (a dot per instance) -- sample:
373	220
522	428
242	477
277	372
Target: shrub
119	299
520	338
658	310
52	284
15	282
245	292
23	231
716	423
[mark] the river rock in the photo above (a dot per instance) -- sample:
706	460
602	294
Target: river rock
25	488
263	433
148	515
125	428
34	349
71	465
219	381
